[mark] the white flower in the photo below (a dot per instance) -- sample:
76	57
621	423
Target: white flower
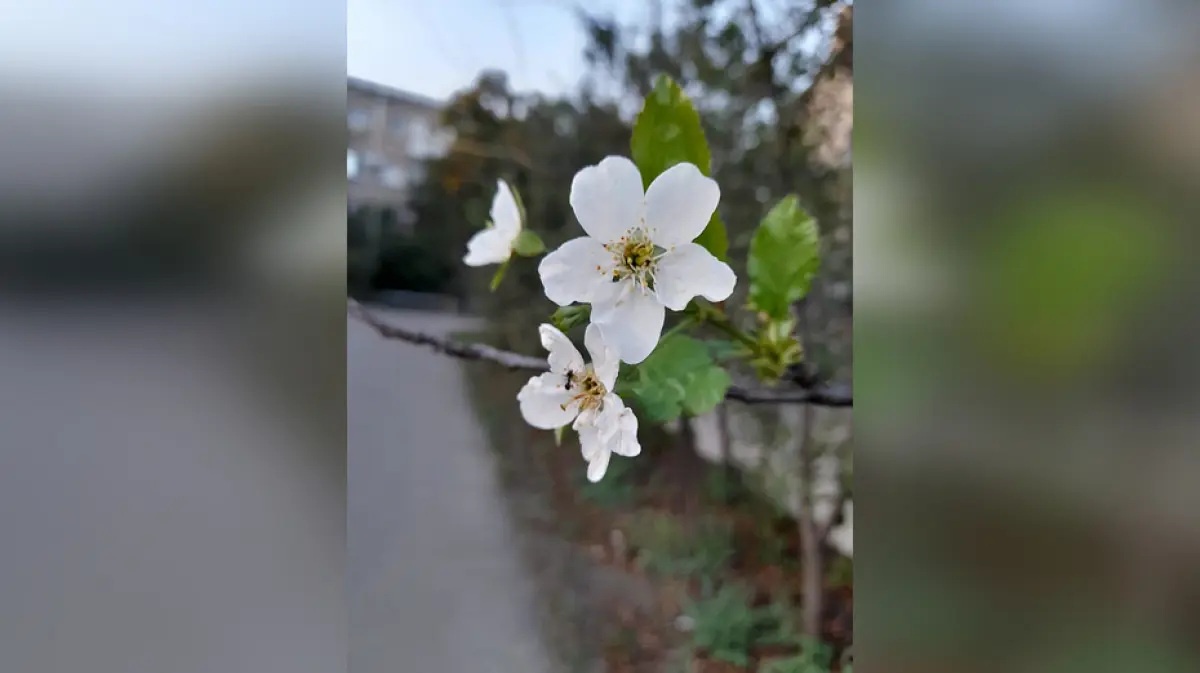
494	245
573	391
638	256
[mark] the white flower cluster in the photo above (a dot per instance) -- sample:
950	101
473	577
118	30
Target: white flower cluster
637	259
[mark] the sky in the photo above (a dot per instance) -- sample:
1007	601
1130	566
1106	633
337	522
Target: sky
435	48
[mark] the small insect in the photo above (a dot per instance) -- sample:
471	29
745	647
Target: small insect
570	380
616	277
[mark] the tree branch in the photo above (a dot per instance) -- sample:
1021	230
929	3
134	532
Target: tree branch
823	395
445	346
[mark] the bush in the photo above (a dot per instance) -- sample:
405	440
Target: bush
726	626
667	548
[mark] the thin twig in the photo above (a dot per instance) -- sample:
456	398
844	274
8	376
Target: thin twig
447	346
824	395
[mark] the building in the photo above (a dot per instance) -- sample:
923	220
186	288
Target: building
390	133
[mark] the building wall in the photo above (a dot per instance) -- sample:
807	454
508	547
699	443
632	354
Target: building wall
389	133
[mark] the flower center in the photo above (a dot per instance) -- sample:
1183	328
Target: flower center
636	257
587	389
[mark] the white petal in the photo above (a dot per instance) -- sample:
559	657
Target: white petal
563	356
505	214
545	403
490	246
618	427
690	270
598	465
590	444
574	271
632	324
625	443
679	204
607	198
604	357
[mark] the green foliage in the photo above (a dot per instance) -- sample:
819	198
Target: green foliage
777	348
706	390
784	256
499	276
813	658
668	132
727	626
722	349
679	376
1063	277
567	317
664	547
723	485
528	244
798	664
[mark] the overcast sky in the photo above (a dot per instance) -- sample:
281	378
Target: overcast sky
436	48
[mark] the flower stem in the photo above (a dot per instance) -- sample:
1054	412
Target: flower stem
707	313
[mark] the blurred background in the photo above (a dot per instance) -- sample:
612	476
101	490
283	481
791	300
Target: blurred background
1026	385
172	471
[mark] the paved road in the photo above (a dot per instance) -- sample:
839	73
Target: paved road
433	578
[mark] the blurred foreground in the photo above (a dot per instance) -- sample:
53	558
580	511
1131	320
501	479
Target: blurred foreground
1027	379
172	485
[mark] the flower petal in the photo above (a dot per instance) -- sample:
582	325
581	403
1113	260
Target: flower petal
545	403
598	465
631	324
564	357
618	427
607	198
625	443
679	204
575	270
590	444
505	214
604	357
690	270
490	246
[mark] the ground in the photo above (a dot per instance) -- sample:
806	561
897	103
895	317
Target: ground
433	580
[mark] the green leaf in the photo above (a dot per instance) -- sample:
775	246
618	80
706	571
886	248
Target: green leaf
499	275
528	244
707	391
668	132
678	376
723	349
674	356
567	317
658	404
784	256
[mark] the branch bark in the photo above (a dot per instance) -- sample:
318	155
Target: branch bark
822	395
445	346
